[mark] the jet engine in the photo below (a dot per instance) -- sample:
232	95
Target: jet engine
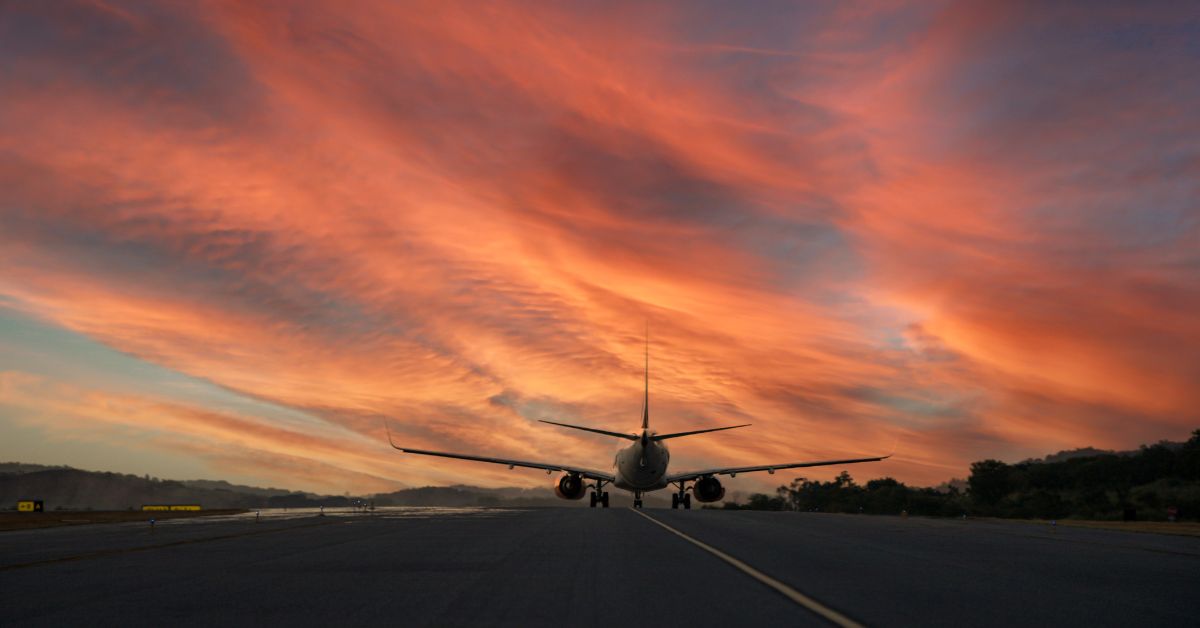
708	489
570	487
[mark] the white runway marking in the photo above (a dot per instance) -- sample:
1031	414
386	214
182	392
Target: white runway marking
789	592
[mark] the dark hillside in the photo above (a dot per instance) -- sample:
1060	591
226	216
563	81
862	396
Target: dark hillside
72	489
1081	484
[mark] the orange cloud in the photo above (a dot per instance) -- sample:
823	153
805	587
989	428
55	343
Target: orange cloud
845	225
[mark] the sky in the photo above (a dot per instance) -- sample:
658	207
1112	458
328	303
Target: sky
236	238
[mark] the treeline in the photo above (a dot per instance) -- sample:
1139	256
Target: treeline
1144	484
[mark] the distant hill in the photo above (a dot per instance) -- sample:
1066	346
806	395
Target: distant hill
222	485
1090	452
65	488
1082	452
73	489
25	467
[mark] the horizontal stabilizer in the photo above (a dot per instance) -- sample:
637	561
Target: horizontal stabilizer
592	429
712	429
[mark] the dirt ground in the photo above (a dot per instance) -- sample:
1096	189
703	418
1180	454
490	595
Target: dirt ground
1179	528
1183	528
28	520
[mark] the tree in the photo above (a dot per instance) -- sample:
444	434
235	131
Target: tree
990	481
886	496
1092	484
1187	463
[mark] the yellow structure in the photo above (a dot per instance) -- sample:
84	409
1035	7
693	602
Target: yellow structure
29	505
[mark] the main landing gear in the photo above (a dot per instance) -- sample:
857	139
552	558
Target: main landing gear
599	495
682	498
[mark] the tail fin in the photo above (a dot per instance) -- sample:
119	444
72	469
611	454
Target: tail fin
646	396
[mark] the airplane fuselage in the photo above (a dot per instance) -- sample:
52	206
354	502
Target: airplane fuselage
642	465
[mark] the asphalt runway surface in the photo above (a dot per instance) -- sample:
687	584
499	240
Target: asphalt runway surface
584	567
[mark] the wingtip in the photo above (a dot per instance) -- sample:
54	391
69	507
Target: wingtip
388	429
895	443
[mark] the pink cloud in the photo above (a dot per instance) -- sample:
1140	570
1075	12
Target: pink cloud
846	228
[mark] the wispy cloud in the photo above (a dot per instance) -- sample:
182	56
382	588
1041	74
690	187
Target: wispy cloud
969	226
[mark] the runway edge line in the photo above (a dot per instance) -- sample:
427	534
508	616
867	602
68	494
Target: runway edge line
792	594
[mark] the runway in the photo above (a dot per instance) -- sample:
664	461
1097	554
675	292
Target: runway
582	567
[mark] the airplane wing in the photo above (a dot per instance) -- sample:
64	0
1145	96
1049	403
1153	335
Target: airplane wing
770	468
587	473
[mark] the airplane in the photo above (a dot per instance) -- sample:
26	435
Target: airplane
639	468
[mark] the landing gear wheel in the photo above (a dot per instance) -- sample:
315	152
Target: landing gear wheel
604	499
637	503
674	501
594	499
687	502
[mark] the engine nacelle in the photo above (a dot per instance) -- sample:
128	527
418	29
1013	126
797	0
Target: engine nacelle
570	487
708	489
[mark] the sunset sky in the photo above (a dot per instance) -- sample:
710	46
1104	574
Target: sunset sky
235	237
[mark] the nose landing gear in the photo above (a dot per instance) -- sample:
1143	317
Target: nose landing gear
637	499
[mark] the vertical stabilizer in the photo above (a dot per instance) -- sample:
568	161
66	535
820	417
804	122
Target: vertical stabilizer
646	397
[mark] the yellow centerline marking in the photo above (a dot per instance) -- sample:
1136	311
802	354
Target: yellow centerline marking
788	592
